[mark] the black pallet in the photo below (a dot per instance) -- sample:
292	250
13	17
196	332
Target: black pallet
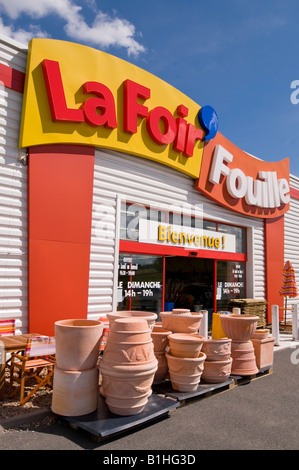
103	424
203	390
243	379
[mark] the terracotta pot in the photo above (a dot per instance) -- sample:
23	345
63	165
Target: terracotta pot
188	323
217	371
264	351
184	372
126	387
77	343
244	362
217	349
75	393
160	338
162	370
261	334
239	327
130	329
185	345
180	311
150	317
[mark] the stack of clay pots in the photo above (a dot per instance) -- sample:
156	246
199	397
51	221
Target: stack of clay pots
240	328
185	361
76	375
160	342
218	364
263	345
184	357
128	366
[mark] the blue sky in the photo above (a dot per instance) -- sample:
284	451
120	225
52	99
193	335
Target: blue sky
239	56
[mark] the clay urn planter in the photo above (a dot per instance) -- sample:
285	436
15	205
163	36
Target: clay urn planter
128	367
160	338
77	343
217	349
261	333
75	393
217	371
178	323
185	344
239	327
243	356
150	317
185	372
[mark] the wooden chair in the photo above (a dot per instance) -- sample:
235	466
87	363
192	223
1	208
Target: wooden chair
7	328
38	356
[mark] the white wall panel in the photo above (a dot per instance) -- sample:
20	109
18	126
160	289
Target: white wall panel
291	239
13	198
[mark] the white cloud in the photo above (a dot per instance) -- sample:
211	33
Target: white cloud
105	30
21	35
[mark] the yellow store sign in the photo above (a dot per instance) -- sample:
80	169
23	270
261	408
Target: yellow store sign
78	95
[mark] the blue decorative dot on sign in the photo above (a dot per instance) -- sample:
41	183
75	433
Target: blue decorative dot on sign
208	120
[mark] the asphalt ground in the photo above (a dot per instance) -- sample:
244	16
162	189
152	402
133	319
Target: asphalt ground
260	415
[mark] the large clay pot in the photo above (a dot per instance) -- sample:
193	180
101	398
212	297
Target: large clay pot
217	349
150	317
185	344
264	351
180	311
75	393
126	388
187	323
160	338
244	362
184	372
217	371
77	343
239	327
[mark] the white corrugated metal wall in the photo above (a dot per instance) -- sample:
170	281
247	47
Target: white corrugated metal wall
13	197
291	239
128	178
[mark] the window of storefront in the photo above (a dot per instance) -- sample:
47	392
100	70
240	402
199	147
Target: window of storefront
156	277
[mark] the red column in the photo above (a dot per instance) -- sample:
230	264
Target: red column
274	262
60	189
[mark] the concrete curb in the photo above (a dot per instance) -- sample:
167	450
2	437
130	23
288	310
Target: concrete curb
25	418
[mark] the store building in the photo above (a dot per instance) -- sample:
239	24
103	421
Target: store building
118	192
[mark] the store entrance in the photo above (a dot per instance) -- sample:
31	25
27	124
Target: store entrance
189	283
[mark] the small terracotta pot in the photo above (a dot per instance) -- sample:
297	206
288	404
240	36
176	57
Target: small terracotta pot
77	343
217	349
130	329
217	371
184	372
188	323
150	317
243	355
261	334
160	338
185	345
239	327
264	351
75	393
